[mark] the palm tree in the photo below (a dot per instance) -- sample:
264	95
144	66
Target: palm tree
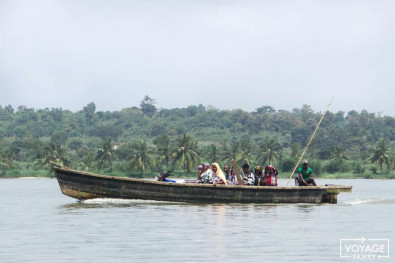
105	154
162	143
380	155
61	156
47	156
213	153
54	153
7	159
246	156
338	155
231	151
186	153
141	159
271	151
87	161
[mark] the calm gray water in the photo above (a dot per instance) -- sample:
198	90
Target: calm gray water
39	224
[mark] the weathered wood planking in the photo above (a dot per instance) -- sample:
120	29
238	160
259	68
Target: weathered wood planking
83	185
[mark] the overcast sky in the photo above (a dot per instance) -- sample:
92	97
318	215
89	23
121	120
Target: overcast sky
229	54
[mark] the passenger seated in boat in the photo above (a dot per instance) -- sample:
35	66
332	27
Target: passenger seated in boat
305	177
248	177
207	175
269	176
226	172
258	174
200	171
232	177
218	175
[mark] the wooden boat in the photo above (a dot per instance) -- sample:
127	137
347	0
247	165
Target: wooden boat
83	185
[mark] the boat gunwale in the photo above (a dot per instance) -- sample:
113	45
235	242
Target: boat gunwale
330	188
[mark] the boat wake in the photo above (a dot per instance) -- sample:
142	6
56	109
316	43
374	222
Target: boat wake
368	201
122	201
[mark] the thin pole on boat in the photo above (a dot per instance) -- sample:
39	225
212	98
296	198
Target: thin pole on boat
308	144
239	180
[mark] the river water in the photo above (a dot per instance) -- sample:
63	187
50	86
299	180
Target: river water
39	224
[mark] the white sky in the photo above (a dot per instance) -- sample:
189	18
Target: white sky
229	54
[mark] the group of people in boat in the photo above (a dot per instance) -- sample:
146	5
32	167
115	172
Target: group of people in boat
213	174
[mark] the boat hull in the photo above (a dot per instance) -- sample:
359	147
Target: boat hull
82	186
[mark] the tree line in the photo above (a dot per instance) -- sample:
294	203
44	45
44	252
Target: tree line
139	139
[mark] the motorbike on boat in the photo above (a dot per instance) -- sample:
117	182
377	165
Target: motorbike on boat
162	176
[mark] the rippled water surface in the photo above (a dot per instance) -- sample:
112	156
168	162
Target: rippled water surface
39	224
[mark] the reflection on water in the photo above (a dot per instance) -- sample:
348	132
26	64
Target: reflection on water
113	202
39	224
306	208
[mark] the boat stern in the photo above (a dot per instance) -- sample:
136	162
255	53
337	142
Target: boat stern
330	192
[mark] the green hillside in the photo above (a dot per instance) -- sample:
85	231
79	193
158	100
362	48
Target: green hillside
136	140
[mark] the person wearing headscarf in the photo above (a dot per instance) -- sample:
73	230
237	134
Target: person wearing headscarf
218	174
207	175
232	176
269	176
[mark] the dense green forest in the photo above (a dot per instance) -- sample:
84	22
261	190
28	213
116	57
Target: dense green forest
136	140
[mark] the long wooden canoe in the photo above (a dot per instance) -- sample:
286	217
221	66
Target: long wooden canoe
84	185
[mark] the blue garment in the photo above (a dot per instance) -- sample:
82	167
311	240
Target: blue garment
169	181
